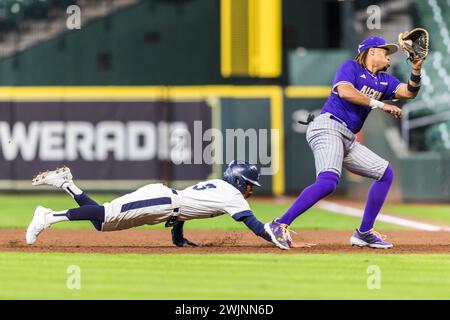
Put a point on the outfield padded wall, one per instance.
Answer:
(307, 67)
(36, 125)
(240, 114)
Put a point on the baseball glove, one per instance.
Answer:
(415, 43)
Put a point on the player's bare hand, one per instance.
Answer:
(392, 110)
(418, 64)
(178, 238)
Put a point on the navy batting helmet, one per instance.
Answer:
(243, 171)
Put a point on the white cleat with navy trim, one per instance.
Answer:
(56, 178)
(38, 224)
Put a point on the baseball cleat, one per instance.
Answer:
(56, 178)
(37, 225)
(371, 239)
(279, 234)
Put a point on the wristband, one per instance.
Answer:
(412, 88)
(374, 104)
(415, 78)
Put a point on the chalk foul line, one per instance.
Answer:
(358, 213)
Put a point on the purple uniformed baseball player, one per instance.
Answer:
(359, 86)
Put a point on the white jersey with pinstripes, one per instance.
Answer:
(156, 203)
(212, 198)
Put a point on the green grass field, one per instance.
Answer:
(19, 216)
(256, 276)
(434, 213)
(230, 276)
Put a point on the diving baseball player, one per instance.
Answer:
(359, 86)
(155, 203)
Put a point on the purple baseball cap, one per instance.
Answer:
(377, 42)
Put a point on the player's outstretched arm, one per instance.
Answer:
(256, 226)
(411, 89)
(349, 93)
(178, 238)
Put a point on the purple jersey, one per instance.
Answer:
(381, 86)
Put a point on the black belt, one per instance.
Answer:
(333, 117)
(173, 220)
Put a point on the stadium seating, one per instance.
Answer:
(12, 12)
(437, 137)
(435, 16)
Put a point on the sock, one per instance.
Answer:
(375, 199)
(72, 189)
(325, 184)
(84, 200)
(57, 216)
(88, 212)
(94, 213)
(97, 224)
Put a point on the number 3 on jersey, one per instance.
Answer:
(206, 186)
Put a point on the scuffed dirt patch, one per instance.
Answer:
(213, 241)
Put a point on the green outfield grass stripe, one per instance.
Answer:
(240, 276)
(14, 216)
(434, 213)
(385, 218)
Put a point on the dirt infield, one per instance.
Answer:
(159, 242)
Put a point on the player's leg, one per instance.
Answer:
(325, 184)
(61, 178)
(84, 213)
(43, 218)
(364, 162)
(78, 195)
(328, 150)
(149, 205)
(121, 213)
